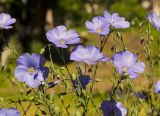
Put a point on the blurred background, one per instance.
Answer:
(35, 17)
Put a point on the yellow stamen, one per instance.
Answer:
(62, 41)
(124, 69)
(99, 30)
(31, 70)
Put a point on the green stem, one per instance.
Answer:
(159, 53)
(115, 88)
(102, 45)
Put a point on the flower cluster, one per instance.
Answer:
(101, 25)
(32, 71)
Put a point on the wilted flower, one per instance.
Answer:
(157, 87)
(154, 20)
(98, 25)
(6, 21)
(81, 82)
(31, 70)
(115, 20)
(61, 37)
(89, 55)
(142, 95)
(113, 108)
(9, 112)
(52, 84)
(126, 63)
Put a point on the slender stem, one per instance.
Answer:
(66, 109)
(121, 38)
(159, 53)
(115, 88)
(62, 57)
(48, 105)
(103, 42)
(149, 61)
(85, 67)
(114, 45)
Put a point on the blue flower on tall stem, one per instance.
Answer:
(113, 108)
(98, 25)
(115, 20)
(154, 20)
(61, 37)
(126, 63)
(89, 55)
(31, 70)
(6, 21)
(81, 82)
(157, 87)
(9, 112)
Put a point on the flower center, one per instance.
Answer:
(62, 41)
(99, 30)
(124, 69)
(31, 70)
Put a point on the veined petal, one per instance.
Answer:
(98, 25)
(73, 41)
(30, 81)
(13, 112)
(137, 67)
(61, 37)
(37, 60)
(89, 55)
(9, 112)
(6, 21)
(42, 74)
(20, 72)
(107, 16)
(24, 59)
(11, 21)
(3, 112)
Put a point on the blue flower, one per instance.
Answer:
(53, 84)
(89, 55)
(157, 87)
(31, 70)
(61, 37)
(6, 21)
(126, 63)
(115, 20)
(81, 82)
(142, 95)
(9, 112)
(113, 108)
(154, 20)
(98, 25)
